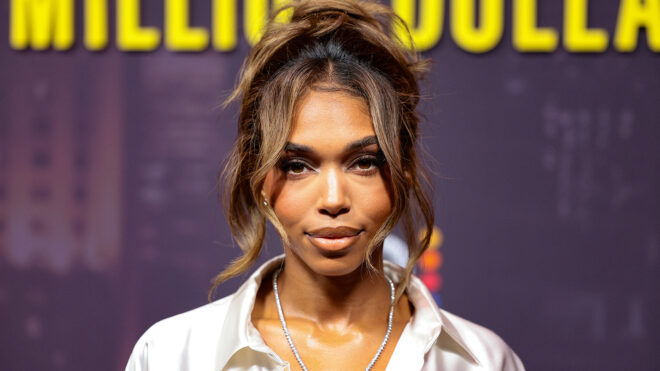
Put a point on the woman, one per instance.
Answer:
(326, 153)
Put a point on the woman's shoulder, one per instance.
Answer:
(451, 342)
(200, 319)
(478, 343)
(204, 338)
(171, 341)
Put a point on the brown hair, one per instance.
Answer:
(346, 44)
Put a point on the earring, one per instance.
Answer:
(265, 203)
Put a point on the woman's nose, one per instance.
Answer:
(334, 198)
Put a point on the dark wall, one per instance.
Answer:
(546, 168)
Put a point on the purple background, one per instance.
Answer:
(546, 167)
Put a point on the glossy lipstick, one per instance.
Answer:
(334, 239)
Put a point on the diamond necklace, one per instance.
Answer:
(288, 336)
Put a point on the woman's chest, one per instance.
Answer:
(330, 349)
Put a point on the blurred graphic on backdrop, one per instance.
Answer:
(541, 130)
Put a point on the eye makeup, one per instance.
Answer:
(363, 163)
(293, 165)
(373, 160)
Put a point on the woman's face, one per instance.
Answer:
(330, 190)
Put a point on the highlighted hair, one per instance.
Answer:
(349, 46)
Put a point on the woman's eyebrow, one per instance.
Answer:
(350, 147)
(294, 147)
(361, 143)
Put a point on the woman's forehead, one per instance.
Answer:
(330, 118)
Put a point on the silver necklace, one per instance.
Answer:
(288, 336)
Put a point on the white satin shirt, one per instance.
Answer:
(220, 336)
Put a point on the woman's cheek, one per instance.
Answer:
(292, 206)
(377, 200)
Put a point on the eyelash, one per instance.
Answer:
(376, 161)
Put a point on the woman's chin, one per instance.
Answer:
(334, 268)
(332, 264)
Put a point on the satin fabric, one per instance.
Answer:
(221, 336)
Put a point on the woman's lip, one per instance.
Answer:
(334, 243)
(334, 232)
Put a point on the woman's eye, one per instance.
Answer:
(366, 163)
(297, 167)
(294, 167)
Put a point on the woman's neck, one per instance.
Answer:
(346, 301)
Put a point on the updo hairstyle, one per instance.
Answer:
(340, 45)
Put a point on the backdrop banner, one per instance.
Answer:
(540, 126)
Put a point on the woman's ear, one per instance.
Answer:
(265, 190)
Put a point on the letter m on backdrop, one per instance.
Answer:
(41, 23)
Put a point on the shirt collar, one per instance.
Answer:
(428, 321)
(427, 324)
(238, 328)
